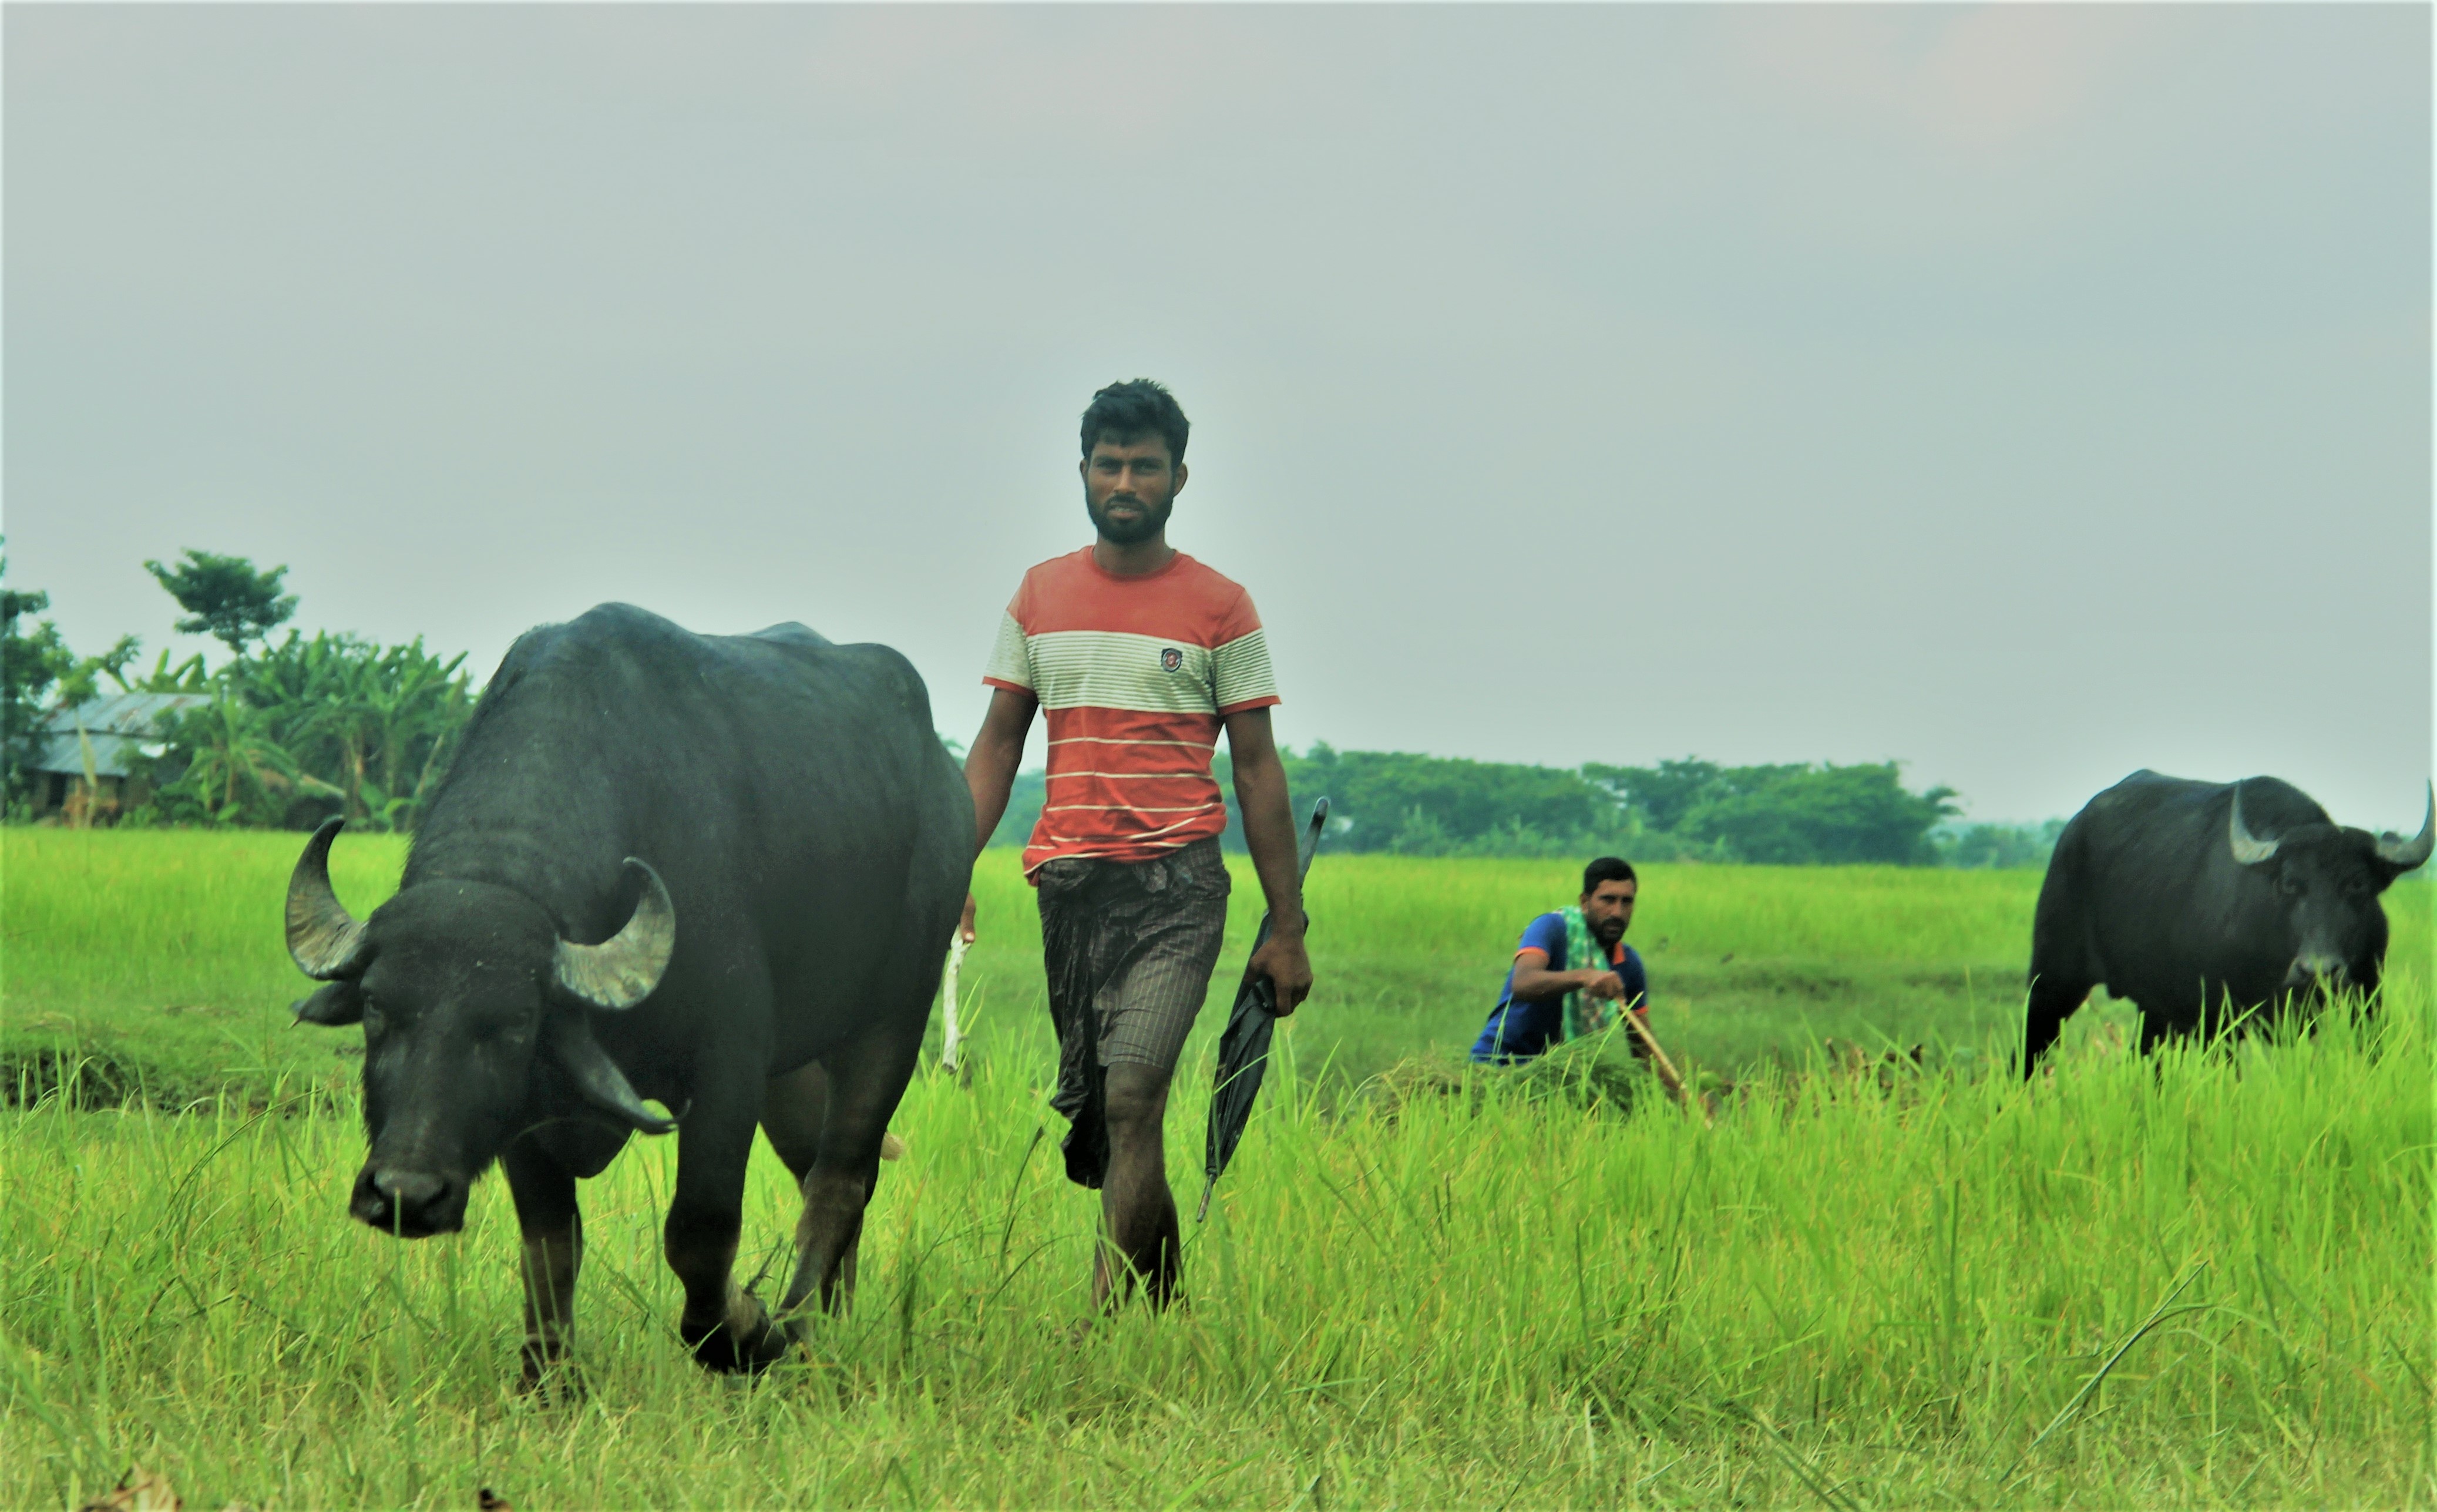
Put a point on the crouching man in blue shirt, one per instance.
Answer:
(1572, 970)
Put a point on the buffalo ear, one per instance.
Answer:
(333, 1007)
(597, 1078)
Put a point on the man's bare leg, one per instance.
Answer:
(1139, 1210)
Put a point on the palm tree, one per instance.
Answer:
(369, 726)
(371, 720)
(237, 769)
(417, 701)
(344, 709)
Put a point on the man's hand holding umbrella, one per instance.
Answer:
(1270, 835)
(1284, 961)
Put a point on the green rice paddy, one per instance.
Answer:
(2201, 1282)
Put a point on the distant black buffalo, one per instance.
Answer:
(2196, 898)
(716, 871)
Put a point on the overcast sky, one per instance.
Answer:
(2031, 393)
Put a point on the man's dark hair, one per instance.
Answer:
(1122, 411)
(1606, 869)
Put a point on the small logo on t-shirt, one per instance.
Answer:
(1170, 658)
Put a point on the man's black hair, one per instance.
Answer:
(1122, 411)
(1606, 869)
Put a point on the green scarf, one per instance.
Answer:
(1585, 1014)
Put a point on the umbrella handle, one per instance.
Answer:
(1310, 848)
(1305, 854)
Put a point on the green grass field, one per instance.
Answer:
(158, 956)
(2205, 1282)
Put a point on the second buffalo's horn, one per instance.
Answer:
(2248, 848)
(325, 940)
(621, 970)
(2403, 854)
(597, 1077)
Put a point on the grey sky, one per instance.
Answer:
(2032, 393)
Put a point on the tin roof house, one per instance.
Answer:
(105, 738)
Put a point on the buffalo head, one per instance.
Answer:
(2328, 879)
(469, 1000)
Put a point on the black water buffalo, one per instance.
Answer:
(2193, 899)
(720, 872)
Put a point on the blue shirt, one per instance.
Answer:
(1518, 1031)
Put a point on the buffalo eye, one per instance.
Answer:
(2289, 886)
(513, 1033)
(376, 1023)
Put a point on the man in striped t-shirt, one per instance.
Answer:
(1139, 656)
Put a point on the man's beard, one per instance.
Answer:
(1609, 932)
(1152, 522)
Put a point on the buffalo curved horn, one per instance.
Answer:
(2403, 854)
(621, 970)
(2248, 848)
(597, 1078)
(327, 941)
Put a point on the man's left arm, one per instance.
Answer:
(1270, 835)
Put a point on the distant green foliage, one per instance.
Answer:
(235, 771)
(1024, 803)
(1407, 804)
(1664, 795)
(2002, 846)
(32, 662)
(186, 677)
(83, 682)
(337, 723)
(225, 597)
(1423, 805)
(297, 730)
(309, 727)
(1403, 804)
(1793, 815)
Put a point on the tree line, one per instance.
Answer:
(1402, 804)
(291, 731)
(283, 733)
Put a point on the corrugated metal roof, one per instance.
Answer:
(122, 713)
(117, 727)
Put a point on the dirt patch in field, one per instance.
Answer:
(90, 1077)
(79, 1079)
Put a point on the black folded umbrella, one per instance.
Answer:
(1244, 1048)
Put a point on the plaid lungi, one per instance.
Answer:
(1129, 947)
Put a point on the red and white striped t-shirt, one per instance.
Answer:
(1135, 674)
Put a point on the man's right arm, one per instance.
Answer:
(1533, 980)
(989, 768)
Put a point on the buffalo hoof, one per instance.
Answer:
(552, 1382)
(758, 1346)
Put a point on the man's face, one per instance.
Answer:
(1608, 909)
(1129, 486)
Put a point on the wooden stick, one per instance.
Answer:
(1665, 1067)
